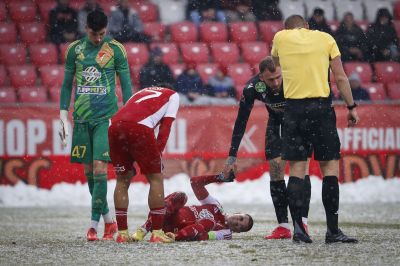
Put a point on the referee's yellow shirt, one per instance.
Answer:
(304, 57)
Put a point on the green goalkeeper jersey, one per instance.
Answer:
(95, 69)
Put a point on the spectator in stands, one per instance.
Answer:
(125, 24)
(240, 10)
(171, 11)
(359, 93)
(351, 39)
(267, 10)
(318, 21)
(190, 87)
(221, 87)
(89, 6)
(63, 23)
(382, 39)
(155, 72)
(205, 10)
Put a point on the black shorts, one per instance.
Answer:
(273, 140)
(310, 122)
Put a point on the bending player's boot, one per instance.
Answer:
(339, 237)
(300, 234)
(158, 236)
(91, 235)
(139, 234)
(109, 230)
(279, 233)
(123, 237)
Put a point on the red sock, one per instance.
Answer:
(157, 217)
(122, 218)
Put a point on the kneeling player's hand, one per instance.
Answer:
(63, 130)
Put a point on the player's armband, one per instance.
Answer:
(212, 235)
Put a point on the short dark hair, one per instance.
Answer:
(267, 64)
(250, 225)
(96, 20)
(294, 21)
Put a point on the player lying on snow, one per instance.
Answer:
(198, 222)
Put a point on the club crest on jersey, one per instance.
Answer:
(104, 55)
(91, 74)
(79, 48)
(260, 87)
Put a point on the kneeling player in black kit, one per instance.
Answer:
(267, 88)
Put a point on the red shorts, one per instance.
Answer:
(131, 142)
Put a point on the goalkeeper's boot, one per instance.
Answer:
(139, 234)
(91, 235)
(279, 233)
(123, 237)
(339, 237)
(158, 236)
(300, 234)
(109, 230)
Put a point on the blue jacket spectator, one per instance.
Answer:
(205, 10)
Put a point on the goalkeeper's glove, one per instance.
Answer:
(63, 130)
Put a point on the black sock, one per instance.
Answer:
(279, 198)
(330, 198)
(307, 196)
(295, 193)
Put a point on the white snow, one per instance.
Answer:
(368, 190)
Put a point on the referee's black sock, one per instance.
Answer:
(307, 196)
(295, 193)
(330, 198)
(279, 198)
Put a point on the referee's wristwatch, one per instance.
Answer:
(351, 107)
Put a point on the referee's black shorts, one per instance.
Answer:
(273, 140)
(310, 121)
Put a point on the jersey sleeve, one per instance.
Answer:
(69, 72)
(275, 44)
(122, 69)
(199, 184)
(245, 107)
(173, 106)
(333, 47)
(224, 234)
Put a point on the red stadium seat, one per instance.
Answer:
(396, 10)
(3, 11)
(154, 29)
(240, 73)
(177, 69)
(206, 71)
(194, 52)
(3, 75)
(363, 24)
(51, 75)
(7, 95)
(44, 10)
(8, 32)
(32, 32)
(12, 54)
(213, 32)
(239, 91)
(243, 31)
(182, 32)
(393, 90)
(138, 53)
(43, 54)
(387, 72)
(54, 93)
(148, 12)
(225, 53)
(397, 27)
(170, 52)
(363, 69)
(254, 52)
(135, 71)
(268, 30)
(33, 95)
(22, 11)
(334, 25)
(77, 4)
(108, 6)
(255, 68)
(22, 76)
(376, 91)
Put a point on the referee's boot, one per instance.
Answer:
(300, 234)
(338, 237)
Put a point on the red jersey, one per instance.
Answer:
(149, 106)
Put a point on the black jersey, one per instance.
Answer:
(274, 101)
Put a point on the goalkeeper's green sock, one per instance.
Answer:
(90, 181)
(99, 197)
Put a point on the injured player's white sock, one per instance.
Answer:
(304, 220)
(94, 224)
(285, 225)
(108, 218)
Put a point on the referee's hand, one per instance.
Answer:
(352, 118)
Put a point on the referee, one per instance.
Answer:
(305, 57)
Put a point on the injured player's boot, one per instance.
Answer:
(280, 233)
(339, 237)
(158, 236)
(109, 230)
(139, 234)
(91, 235)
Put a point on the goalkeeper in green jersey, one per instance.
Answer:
(94, 61)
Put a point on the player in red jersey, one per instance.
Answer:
(132, 139)
(198, 222)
